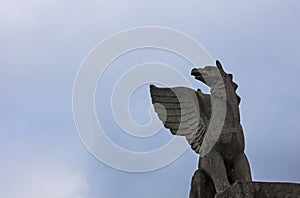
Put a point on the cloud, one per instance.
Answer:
(45, 43)
(26, 173)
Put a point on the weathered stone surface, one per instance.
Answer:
(211, 125)
(244, 189)
(223, 170)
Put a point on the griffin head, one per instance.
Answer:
(215, 78)
(210, 75)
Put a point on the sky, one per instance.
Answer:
(43, 43)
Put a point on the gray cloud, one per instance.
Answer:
(42, 46)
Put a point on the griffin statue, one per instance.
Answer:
(188, 113)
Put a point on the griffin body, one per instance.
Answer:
(187, 112)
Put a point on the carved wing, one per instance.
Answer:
(179, 110)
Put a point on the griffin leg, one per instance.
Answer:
(241, 168)
(202, 186)
(214, 166)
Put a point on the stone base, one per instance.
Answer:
(243, 189)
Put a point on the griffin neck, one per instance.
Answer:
(229, 94)
(232, 99)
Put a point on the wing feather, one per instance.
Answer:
(179, 110)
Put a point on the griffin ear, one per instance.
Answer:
(219, 65)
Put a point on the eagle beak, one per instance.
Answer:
(195, 72)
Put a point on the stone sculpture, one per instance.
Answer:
(187, 112)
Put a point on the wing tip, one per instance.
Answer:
(153, 88)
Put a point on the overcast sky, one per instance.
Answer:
(42, 44)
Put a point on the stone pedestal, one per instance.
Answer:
(261, 190)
